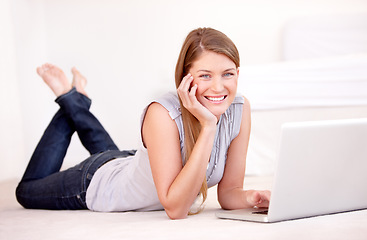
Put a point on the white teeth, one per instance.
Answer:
(215, 99)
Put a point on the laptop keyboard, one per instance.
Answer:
(265, 212)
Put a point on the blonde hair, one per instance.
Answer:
(196, 42)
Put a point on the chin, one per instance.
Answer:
(217, 112)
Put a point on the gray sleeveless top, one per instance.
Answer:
(228, 128)
(126, 184)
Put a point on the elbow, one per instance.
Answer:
(176, 208)
(176, 217)
(222, 201)
(223, 204)
(176, 214)
(176, 211)
(226, 200)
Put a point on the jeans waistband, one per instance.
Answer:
(99, 159)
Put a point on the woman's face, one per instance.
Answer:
(216, 77)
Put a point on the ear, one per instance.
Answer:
(238, 73)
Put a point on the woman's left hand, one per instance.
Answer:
(258, 198)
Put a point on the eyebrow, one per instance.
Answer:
(229, 69)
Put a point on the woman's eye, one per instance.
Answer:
(205, 76)
(228, 74)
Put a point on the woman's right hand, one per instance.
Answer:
(190, 102)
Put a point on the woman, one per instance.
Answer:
(190, 141)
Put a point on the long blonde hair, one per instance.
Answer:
(196, 42)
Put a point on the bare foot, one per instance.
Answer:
(55, 78)
(79, 81)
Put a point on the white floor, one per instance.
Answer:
(18, 223)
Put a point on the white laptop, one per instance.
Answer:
(321, 169)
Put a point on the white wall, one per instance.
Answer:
(11, 121)
(127, 50)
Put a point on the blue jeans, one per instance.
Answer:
(43, 186)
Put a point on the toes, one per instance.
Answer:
(47, 66)
(40, 71)
(78, 77)
(44, 68)
(75, 71)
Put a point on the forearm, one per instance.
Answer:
(235, 198)
(185, 188)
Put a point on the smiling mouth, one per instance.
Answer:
(216, 99)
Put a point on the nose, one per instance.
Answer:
(217, 85)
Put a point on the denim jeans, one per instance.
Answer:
(43, 185)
